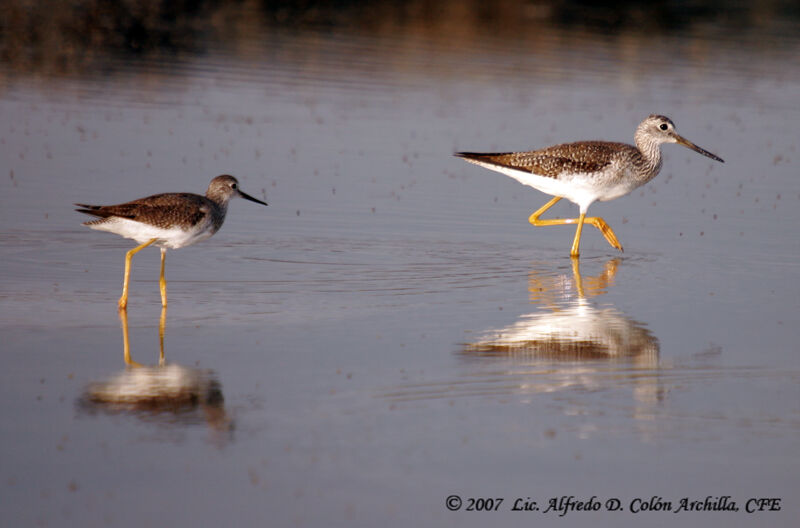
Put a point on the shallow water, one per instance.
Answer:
(391, 331)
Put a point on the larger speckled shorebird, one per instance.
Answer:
(170, 220)
(588, 171)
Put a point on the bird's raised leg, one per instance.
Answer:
(598, 222)
(534, 218)
(123, 301)
(604, 228)
(162, 281)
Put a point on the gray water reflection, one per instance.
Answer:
(570, 343)
(166, 394)
(599, 369)
(580, 356)
(571, 327)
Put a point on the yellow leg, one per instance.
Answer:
(534, 218)
(576, 242)
(595, 285)
(598, 222)
(126, 344)
(576, 274)
(162, 281)
(604, 228)
(162, 323)
(123, 301)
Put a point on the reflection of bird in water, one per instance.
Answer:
(167, 393)
(580, 332)
(568, 345)
(572, 331)
(587, 171)
(168, 388)
(170, 220)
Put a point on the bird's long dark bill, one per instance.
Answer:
(686, 143)
(248, 197)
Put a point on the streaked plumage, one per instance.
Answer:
(587, 171)
(170, 220)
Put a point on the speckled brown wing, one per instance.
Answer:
(583, 157)
(160, 210)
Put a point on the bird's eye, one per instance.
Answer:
(663, 126)
(233, 186)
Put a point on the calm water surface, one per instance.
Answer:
(391, 331)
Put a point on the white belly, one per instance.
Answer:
(172, 238)
(578, 189)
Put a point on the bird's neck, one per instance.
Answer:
(220, 206)
(650, 151)
(222, 209)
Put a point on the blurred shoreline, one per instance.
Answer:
(95, 36)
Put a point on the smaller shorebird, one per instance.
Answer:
(587, 171)
(171, 220)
